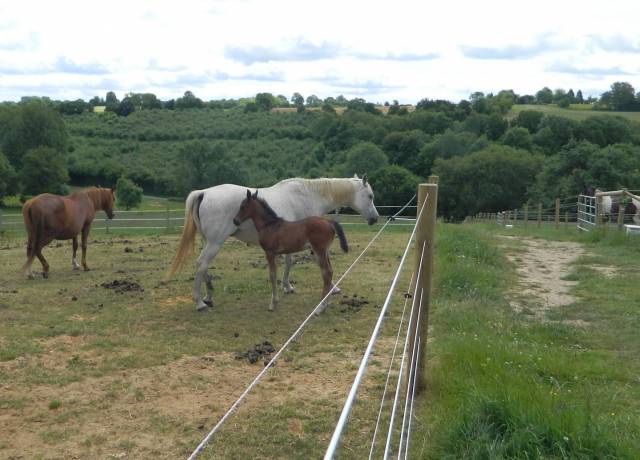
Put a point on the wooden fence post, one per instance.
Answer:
(566, 219)
(515, 216)
(526, 214)
(620, 217)
(539, 214)
(425, 232)
(557, 213)
(598, 210)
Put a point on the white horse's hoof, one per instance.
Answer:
(336, 290)
(209, 303)
(75, 268)
(201, 306)
(289, 290)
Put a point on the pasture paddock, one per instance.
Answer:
(91, 371)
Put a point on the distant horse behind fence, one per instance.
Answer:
(50, 217)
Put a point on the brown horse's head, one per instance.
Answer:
(108, 201)
(247, 208)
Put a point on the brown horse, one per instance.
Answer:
(278, 236)
(50, 217)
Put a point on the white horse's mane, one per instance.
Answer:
(339, 190)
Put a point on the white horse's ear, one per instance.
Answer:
(255, 195)
(364, 179)
(248, 194)
(355, 176)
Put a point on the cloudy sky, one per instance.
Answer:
(379, 50)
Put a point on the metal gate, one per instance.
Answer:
(586, 213)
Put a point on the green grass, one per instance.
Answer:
(501, 386)
(575, 111)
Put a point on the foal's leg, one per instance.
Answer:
(327, 275)
(288, 262)
(85, 236)
(202, 265)
(74, 261)
(271, 258)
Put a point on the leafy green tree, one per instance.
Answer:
(128, 193)
(365, 157)
(44, 170)
(297, 99)
(621, 97)
(604, 130)
(8, 178)
(553, 133)
(313, 101)
(581, 164)
(544, 96)
(579, 97)
(204, 164)
(188, 101)
(394, 185)
(73, 107)
(32, 125)
(492, 179)
(126, 107)
(518, 137)
(111, 101)
(496, 126)
(529, 119)
(265, 101)
(402, 147)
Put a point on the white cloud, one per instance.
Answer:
(403, 50)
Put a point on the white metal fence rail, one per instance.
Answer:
(586, 218)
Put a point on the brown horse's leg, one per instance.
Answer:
(85, 235)
(271, 258)
(74, 261)
(31, 254)
(43, 261)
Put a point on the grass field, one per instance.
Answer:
(575, 112)
(86, 371)
(91, 372)
(506, 385)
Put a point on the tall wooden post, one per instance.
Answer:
(539, 214)
(557, 212)
(566, 219)
(526, 214)
(425, 233)
(620, 217)
(168, 217)
(515, 216)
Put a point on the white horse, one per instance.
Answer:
(608, 206)
(210, 212)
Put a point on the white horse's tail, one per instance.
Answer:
(191, 227)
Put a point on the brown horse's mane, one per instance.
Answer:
(98, 195)
(271, 217)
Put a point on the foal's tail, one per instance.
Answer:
(340, 232)
(191, 227)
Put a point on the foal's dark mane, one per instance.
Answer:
(271, 216)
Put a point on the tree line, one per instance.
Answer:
(487, 158)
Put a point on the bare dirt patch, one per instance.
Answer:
(542, 267)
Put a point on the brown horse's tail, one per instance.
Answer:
(340, 232)
(191, 227)
(34, 230)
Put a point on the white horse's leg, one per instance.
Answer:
(208, 282)
(288, 262)
(202, 265)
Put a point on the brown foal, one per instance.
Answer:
(278, 236)
(50, 217)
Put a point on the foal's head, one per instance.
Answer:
(254, 207)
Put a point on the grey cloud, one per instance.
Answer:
(354, 86)
(587, 71)
(299, 50)
(66, 65)
(396, 56)
(616, 43)
(542, 45)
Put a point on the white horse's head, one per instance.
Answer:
(363, 200)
